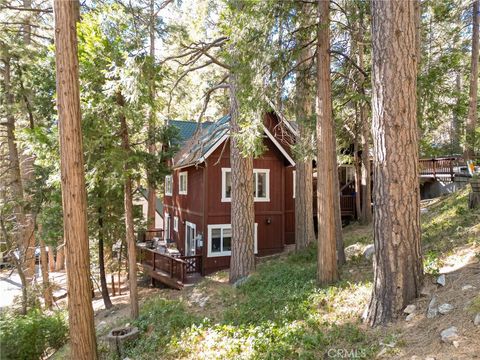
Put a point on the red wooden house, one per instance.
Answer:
(197, 193)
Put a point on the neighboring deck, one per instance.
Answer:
(174, 272)
(444, 168)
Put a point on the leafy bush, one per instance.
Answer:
(32, 335)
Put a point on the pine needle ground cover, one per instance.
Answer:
(280, 313)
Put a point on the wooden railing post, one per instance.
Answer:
(452, 174)
(154, 261)
(433, 169)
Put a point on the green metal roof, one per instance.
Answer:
(187, 128)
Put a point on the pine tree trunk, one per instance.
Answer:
(152, 197)
(242, 260)
(304, 230)
(471, 124)
(60, 261)
(398, 270)
(456, 121)
(128, 203)
(47, 289)
(74, 197)
(101, 261)
(366, 170)
(327, 191)
(51, 258)
(341, 258)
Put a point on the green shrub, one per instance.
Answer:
(31, 336)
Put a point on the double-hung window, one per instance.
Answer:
(261, 185)
(182, 183)
(168, 185)
(220, 240)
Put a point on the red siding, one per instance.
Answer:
(203, 206)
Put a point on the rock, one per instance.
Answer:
(432, 309)
(456, 343)
(449, 335)
(415, 357)
(429, 358)
(468, 287)
(409, 309)
(441, 280)
(423, 210)
(353, 250)
(445, 308)
(368, 251)
(425, 292)
(476, 320)
(410, 317)
(240, 281)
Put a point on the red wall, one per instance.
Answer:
(202, 205)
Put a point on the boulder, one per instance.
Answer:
(369, 251)
(410, 317)
(441, 280)
(432, 309)
(476, 320)
(445, 308)
(449, 335)
(409, 309)
(353, 250)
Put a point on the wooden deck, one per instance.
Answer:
(444, 168)
(174, 272)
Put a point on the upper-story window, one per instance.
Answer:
(261, 184)
(182, 183)
(168, 185)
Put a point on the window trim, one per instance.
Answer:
(255, 171)
(169, 193)
(294, 183)
(180, 191)
(194, 227)
(175, 223)
(167, 225)
(227, 253)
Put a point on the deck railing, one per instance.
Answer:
(193, 264)
(441, 166)
(176, 269)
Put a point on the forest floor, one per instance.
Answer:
(280, 313)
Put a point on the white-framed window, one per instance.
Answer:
(226, 185)
(183, 183)
(220, 240)
(261, 184)
(166, 234)
(175, 223)
(168, 185)
(294, 182)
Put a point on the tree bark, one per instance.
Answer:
(326, 166)
(304, 230)
(366, 170)
(60, 261)
(341, 258)
(47, 289)
(74, 197)
(51, 258)
(242, 260)
(128, 204)
(152, 197)
(471, 124)
(398, 269)
(101, 260)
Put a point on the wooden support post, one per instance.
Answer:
(113, 285)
